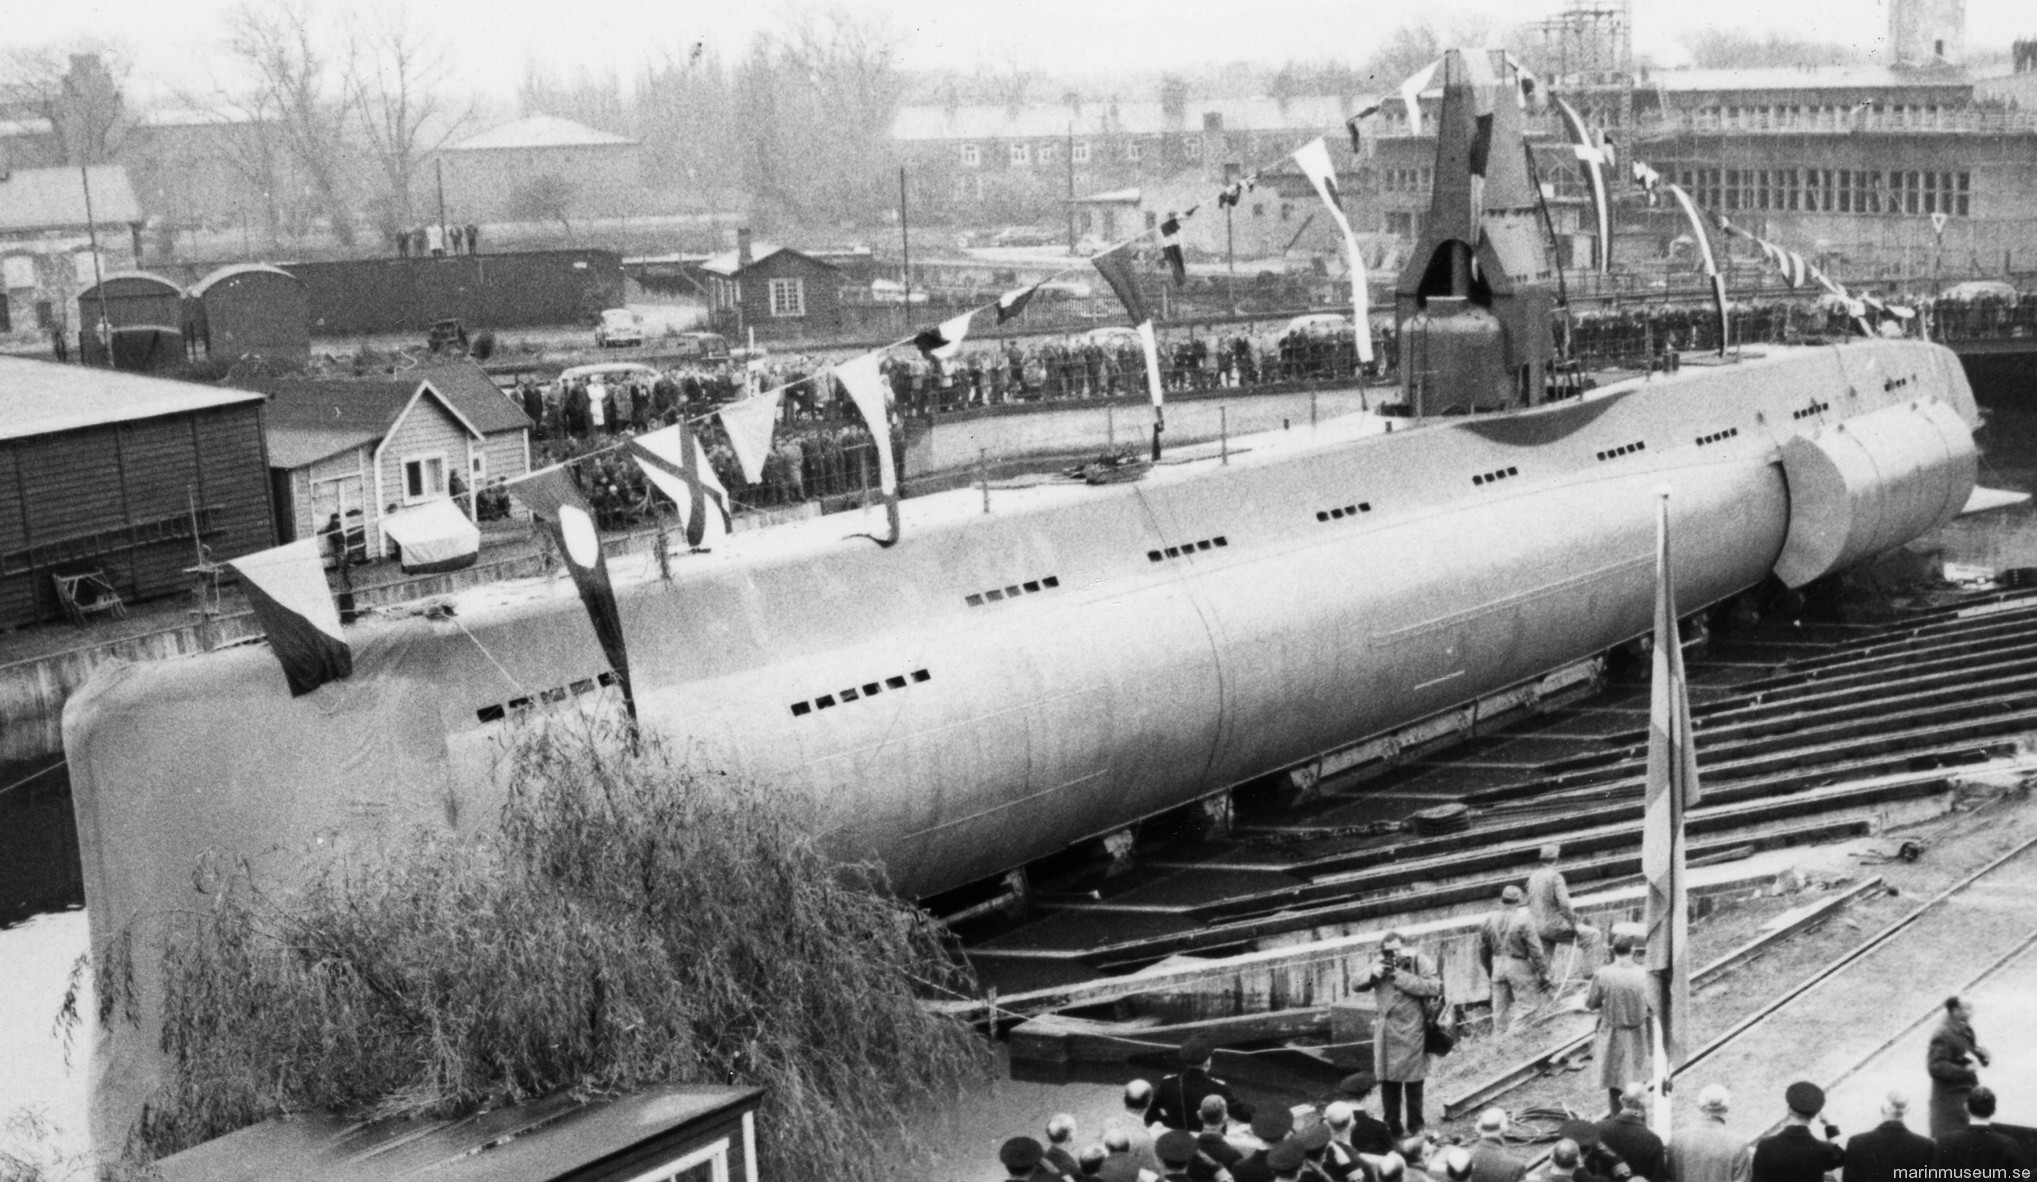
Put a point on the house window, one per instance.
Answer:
(45, 314)
(1021, 154)
(1959, 200)
(1131, 149)
(19, 270)
(972, 156)
(424, 478)
(788, 297)
(1080, 152)
(1045, 154)
(1195, 149)
(480, 469)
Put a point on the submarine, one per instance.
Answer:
(1001, 685)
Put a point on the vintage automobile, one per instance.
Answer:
(618, 328)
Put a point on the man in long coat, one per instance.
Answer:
(1706, 1150)
(1404, 981)
(1625, 1001)
(1950, 1063)
(1879, 1153)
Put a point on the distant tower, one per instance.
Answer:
(1925, 33)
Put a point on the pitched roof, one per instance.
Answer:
(54, 199)
(1054, 120)
(42, 397)
(307, 414)
(538, 131)
(725, 263)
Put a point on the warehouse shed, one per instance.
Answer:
(136, 478)
(250, 309)
(146, 314)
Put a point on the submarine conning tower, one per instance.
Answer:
(1474, 303)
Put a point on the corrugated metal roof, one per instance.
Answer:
(54, 199)
(1863, 77)
(1048, 120)
(539, 131)
(42, 397)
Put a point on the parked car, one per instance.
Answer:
(701, 346)
(446, 334)
(1983, 289)
(1024, 236)
(891, 291)
(618, 327)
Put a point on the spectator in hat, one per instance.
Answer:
(1369, 1134)
(1134, 1120)
(1089, 1163)
(1213, 1148)
(1555, 919)
(1629, 1136)
(1510, 949)
(1340, 1159)
(1625, 1000)
(1061, 1143)
(1269, 1128)
(1950, 1062)
(1287, 1160)
(1176, 1148)
(1978, 1150)
(1795, 1154)
(1707, 1151)
(1457, 1164)
(1404, 981)
(1887, 1151)
(1120, 1164)
(1315, 1145)
(1594, 1159)
(1491, 1160)
(1564, 1159)
(1179, 1097)
(1021, 1156)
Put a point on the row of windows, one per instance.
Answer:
(1345, 511)
(1049, 152)
(1030, 587)
(1826, 190)
(1807, 411)
(1717, 436)
(869, 689)
(1798, 116)
(1489, 477)
(1405, 180)
(1897, 383)
(1624, 449)
(1186, 548)
(787, 297)
(585, 685)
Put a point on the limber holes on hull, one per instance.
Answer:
(1186, 549)
(868, 689)
(501, 710)
(1029, 587)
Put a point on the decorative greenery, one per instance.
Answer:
(632, 920)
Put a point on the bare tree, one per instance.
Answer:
(77, 89)
(827, 89)
(395, 78)
(282, 47)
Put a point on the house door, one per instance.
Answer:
(341, 498)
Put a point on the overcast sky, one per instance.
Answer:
(171, 41)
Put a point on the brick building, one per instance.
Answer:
(45, 244)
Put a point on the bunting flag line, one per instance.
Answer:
(1672, 790)
(286, 588)
(1527, 80)
(1170, 247)
(1478, 67)
(1796, 269)
(868, 390)
(1149, 344)
(1647, 179)
(1589, 154)
(944, 342)
(1313, 158)
(749, 425)
(1115, 265)
(673, 459)
(1707, 258)
(1012, 303)
(1411, 93)
(553, 500)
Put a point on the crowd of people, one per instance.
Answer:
(434, 240)
(1194, 1127)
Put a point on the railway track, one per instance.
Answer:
(1803, 736)
(1984, 922)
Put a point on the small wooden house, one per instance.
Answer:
(362, 449)
(781, 294)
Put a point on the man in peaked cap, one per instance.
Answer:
(1794, 1154)
(1369, 1134)
(1178, 1100)
(1021, 1156)
(1177, 1151)
(1271, 1128)
(1286, 1160)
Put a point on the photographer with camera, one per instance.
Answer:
(1404, 981)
